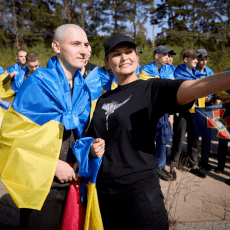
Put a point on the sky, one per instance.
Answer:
(149, 27)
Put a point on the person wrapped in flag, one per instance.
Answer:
(20, 64)
(50, 112)
(9, 88)
(7, 79)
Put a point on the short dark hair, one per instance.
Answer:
(32, 57)
(20, 50)
(191, 53)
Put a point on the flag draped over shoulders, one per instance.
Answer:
(183, 72)
(207, 72)
(18, 79)
(15, 67)
(108, 80)
(151, 70)
(31, 133)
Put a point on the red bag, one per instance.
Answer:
(74, 212)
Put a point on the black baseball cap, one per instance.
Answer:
(115, 40)
(203, 52)
(163, 49)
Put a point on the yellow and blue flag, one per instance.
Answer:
(18, 79)
(88, 169)
(32, 128)
(151, 70)
(6, 93)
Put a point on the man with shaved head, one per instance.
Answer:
(51, 112)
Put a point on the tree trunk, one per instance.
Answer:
(15, 26)
(67, 11)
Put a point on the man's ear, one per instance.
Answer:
(185, 59)
(16, 56)
(56, 46)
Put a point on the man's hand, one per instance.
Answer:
(98, 147)
(64, 172)
(12, 74)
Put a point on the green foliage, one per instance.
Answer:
(7, 57)
(98, 59)
(218, 61)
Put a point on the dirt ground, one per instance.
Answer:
(193, 199)
(189, 199)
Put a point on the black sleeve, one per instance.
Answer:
(167, 95)
(6, 79)
(91, 131)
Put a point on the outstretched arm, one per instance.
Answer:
(193, 89)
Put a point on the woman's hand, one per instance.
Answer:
(98, 147)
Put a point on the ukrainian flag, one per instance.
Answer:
(6, 93)
(18, 79)
(88, 169)
(31, 133)
(151, 70)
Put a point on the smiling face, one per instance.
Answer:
(73, 49)
(170, 60)
(190, 62)
(202, 62)
(123, 60)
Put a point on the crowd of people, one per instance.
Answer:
(60, 112)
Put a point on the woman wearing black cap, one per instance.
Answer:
(128, 186)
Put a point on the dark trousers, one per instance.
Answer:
(50, 216)
(222, 154)
(205, 149)
(134, 211)
(182, 124)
